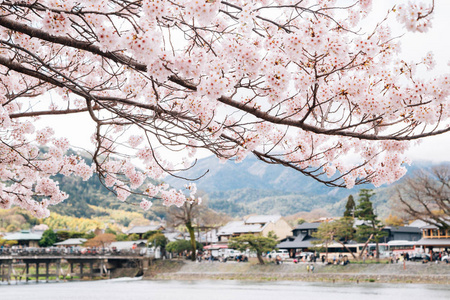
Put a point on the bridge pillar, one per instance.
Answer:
(91, 267)
(58, 270)
(6, 274)
(37, 272)
(10, 266)
(145, 263)
(81, 270)
(27, 269)
(46, 271)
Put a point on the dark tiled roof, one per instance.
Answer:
(403, 229)
(308, 226)
(300, 241)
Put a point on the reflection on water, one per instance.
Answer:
(218, 290)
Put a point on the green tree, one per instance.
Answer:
(371, 229)
(300, 221)
(89, 235)
(259, 244)
(133, 237)
(272, 234)
(149, 233)
(350, 207)
(181, 246)
(121, 237)
(158, 239)
(49, 237)
(62, 235)
(76, 235)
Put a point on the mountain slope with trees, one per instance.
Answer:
(255, 187)
(237, 189)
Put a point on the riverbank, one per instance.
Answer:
(383, 273)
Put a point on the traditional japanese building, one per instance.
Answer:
(401, 233)
(301, 240)
(434, 238)
(141, 230)
(257, 225)
(25, 238)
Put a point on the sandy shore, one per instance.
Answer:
(391, 273)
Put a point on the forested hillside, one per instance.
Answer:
(254, 187)
(250, 187)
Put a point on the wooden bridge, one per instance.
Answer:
(79, 266)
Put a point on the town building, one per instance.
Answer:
(301, 239)
(25, 238)
(257, 225)
(141, 230)
(401, 233)
(434, 238)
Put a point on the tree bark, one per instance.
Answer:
(365, 245)
(260, 258)
(192, 236)
(346, 248)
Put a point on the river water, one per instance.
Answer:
(219, 290)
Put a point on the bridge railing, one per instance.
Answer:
(54, 251)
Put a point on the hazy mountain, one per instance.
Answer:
(237, 189)
(253, 186)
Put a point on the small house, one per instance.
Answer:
(25, 238)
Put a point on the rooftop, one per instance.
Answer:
(301, 241)
(24, 235)
(308, 226)
(239, 227)
(260, 219)
(126, 245)
(410, 229)
(70, 242)
(434, 242)
(144, 229)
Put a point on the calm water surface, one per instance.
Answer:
(218, 290)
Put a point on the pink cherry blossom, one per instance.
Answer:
(297, 83)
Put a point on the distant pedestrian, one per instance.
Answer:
(312, 268)
(278, 260)
(307, 268)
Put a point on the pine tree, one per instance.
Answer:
(372, 227)
(350, 207)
